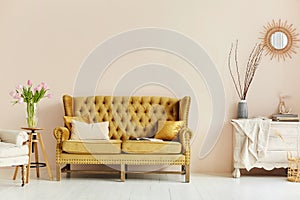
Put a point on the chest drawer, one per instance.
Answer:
(283, 137)
(284, 130)
(283, 143)
(277, 157)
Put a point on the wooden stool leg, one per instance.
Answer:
(29, 160)
(16, 172)
(36, 152)
(45, 155)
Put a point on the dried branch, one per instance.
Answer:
(252, 65)
(238, 89)
(237, 68)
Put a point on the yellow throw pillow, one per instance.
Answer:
(168, 130)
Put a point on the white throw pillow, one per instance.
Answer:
(93, 131)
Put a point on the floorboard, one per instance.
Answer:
(148, 187)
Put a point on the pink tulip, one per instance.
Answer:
(18, 96)
(44, 85)
(19, 87)
(21, 100)
(12, 93)
(29, 83)
(38, 88)
(49, 96)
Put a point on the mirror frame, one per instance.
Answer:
(292, 39)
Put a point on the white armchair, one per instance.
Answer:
(14, 150)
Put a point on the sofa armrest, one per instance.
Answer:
(185, 135)
(13, 136)
(61, 134)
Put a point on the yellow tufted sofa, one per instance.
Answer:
(129, 118)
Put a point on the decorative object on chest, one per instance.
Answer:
(262, 143)
(284, 111)
(242, 109)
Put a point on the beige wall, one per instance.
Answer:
(48, 41)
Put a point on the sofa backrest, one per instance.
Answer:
(129, 117)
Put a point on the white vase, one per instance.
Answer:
(242, 110)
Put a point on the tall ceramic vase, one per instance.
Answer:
(242, 109)
(31, 115)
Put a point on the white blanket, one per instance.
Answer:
(256, 132)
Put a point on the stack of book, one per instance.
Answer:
(288, 117)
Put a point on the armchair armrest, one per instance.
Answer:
(61, 134)
(185, 135)
(13, 136)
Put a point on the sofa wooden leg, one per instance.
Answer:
(187, 173)
(68, 168)
(58, 172)
(126, 170)
(122, 172)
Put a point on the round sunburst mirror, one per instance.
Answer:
(279, 39)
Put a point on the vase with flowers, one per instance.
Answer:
(30, 96)
(242, 87)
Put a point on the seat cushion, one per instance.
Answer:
(151, 147)
(92, 146)
(12, 150)
(14, 161)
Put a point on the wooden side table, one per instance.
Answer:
(34, 138)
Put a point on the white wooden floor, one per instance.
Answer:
(140, 187)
